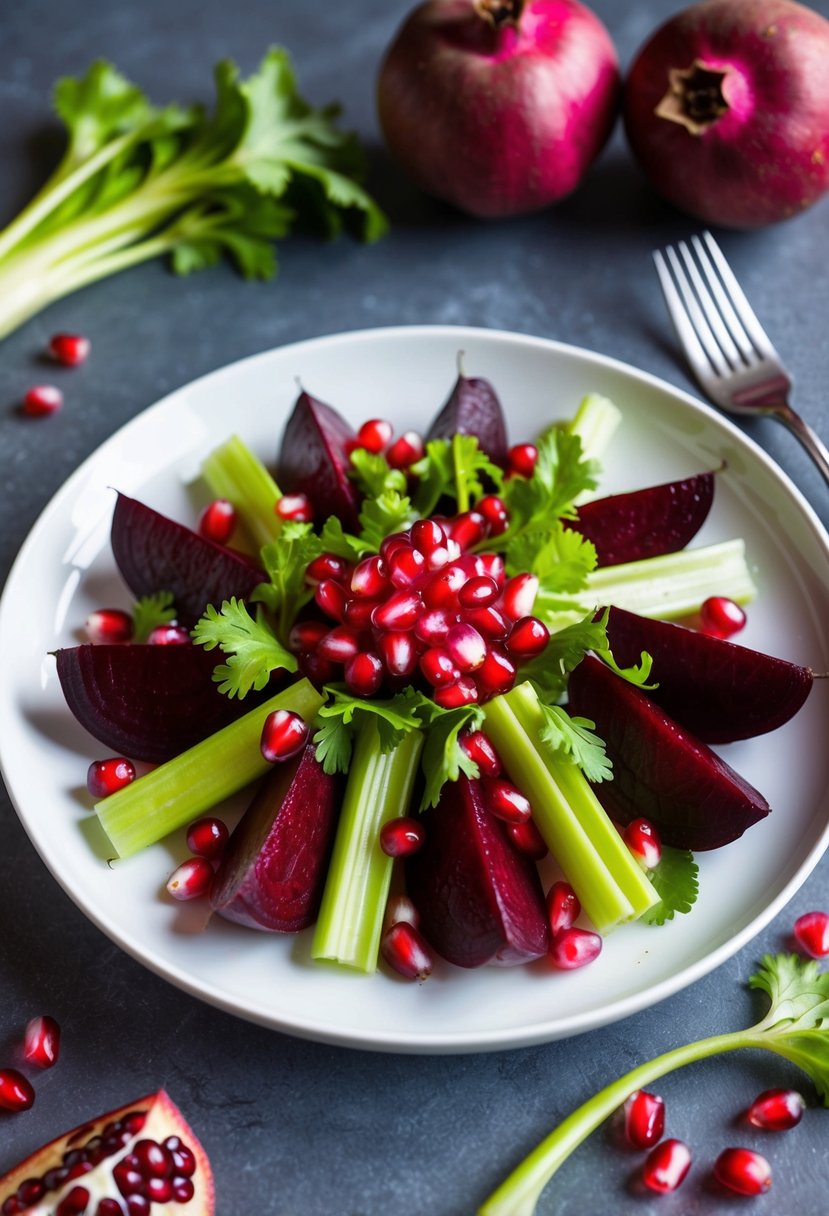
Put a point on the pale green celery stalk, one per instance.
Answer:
(183, 788)
(600, 895)
(379, 788)
(233, 472)
(595, 422)
(575, 788)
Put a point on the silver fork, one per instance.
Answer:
(726, 346)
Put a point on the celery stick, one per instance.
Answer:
(592, 816)
(185, 787)
(599, 893)
(233, 472)
(595, 422)
(379, 788)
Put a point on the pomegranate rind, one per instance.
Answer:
(163, 1118)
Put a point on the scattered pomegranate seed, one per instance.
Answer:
(721, 616)
(527, 839)
(42, 399)
(563, 907)
(374, 434)
(284, 733)
(479, 748)
(401, 837)
(364, 674)
(16, 1093)
(505, 801)
(527, 638)
(69, 349)
(207, 837)
(327, 565)
(405, 451)
(642, 838)
(521, 459)
(494, 512)
(743, 1171)
(370, 578)
(169, 635)
(405, 950)
(666, 1166)
(489, 621)
(191, 879)
(104, 777)
(644, 1119)
(573, 948)
(106, 626)
(776, 1110)
(400, 908)
(811, 932)
(358, 612)
(295, 508)
(41, 1041)
(217, 521)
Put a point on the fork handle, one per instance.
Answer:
(811, 441)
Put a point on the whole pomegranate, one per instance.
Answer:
(726, 109)
(499, 106)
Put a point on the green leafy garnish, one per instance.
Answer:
(675, 880)
(148, 611)
(575, 738)
(252, 646)
(379, 517)
(374, 475)
(456, 468)
(339, 720)
(443, 757)
(137, 182)
(334, 539)
(559, 557)
(564, 651)
(286, 560)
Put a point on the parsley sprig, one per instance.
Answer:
(253, 649)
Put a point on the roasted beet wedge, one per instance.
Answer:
(718, 690)
(660, 770)
(473, 408)
(146, 702)
(154, 553)
(645, 523)
(313, 460)
(480, 900)
(272, 873)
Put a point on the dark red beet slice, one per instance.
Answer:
(480, 900)
(146, 702)
(644, 523)
(660, 770)
(272, 874)
(154, 553)
(473, 408)
(718, 690)
(312, 460)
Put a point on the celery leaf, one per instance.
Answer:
(675, 880)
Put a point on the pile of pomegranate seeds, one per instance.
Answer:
(422, 605)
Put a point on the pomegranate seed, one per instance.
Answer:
(358, 612)
(29, 1192)
(184, 1161)
(399, 612)
(104, 777)
(306, 635)
(494, 512)
(491, 564)
(191, 879)
(479, 748)
(527, 839)
(438, 667)
(427, 535)
(169, 635)
(158, 1190)
(478, 592)
(74, 1202)
(207, 837)
(217, 521)
(572, 948)
(519, 595)
(183, 1190)
(465, 647)
(109, 1207)
(69, 349)
(138, 1205)
(400, 908)
(405, 451)
(433, 626)
(332, 598)
(339, 644)
(398, 652)
(109, 625)
(453, 696)
(442, 590)
(644, 1119)
(295, 508)
(666, 1166)
(41, 1041)
(488, 621)
(390, 544)
(284, 733)
(642, 838)
(527, 638)
(563, 907)
(506, 802)
(405, 950)
(42, 399)
(401, 837)
(496, 674)
(128, 1178)
(318, 670)
(364, 674)
(776, 1110)
(154, 1160)
(16, 1093)
(521, 459)
(405, 565)
(743, 1171)
(811, 932)
(369, 578)
(327, 565)
(374, 434)
(468, 528)
(721, 617)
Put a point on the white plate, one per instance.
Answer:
(65, 569)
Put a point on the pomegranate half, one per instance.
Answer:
(143, 1156)
(726, 109)
(498, 106)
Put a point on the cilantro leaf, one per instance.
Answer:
(575, 738)
(340, 718)
(379, 517)
(675, 880)
(285, 560)
(151, 610)
(443, 757)
(374, 475)
(559, 557)
(253, 647)
(637, 673)
(455, 467)
(561, 474)
(564, 651)
(334, 539)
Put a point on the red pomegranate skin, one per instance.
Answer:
(766, 158)
(503, 121)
